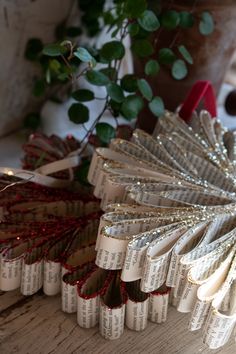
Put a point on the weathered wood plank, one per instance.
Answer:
(8, 299)
(38, 326)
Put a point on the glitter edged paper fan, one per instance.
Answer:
(170, 218)
(167, 234)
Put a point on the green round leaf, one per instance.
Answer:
(166, 56)
(54, 65)
(142, 48)
(78, 113)
(115, 107)
(145, 89)
(179, 70)
(83, 95)
(129, 83)
(93, 63)
(108, 18)
(149, 21)
(115, 92)
(142, 34)
(83, 55)
(105, 132)
(112, 50)
(33, 48)
(63, 77)
(186, 19)
(135, 8)
(156, 106)
(133, 29)
(111, 73)
(185, 53)
(152, 67)
(170, 19)
(131, 106)
(206, 25)
(97, 78)
(54, 50)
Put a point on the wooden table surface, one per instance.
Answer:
(36, 325)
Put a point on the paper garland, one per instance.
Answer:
(47, 239)
(167, 234)
(175, 221)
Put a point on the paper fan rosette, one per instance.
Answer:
(48, 223)
(169, 224)
(167, 235)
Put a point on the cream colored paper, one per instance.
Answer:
(136, 315)
(10, 273)
(69, 297)
(111, 321)
(88, 297)
(32, 277)
(136, 307)
(208, 291)
(157, 260)
(52, 278)
(69, 286)
(158, 305)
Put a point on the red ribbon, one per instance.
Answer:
(201, 90)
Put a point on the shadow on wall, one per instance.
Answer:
(19, 21)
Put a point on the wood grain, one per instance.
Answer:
(8, 299)
(36, 325)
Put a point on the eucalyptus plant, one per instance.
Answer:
(125, 96)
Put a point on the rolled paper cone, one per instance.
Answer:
(69, 298)
(52, 278)
(89, 290)
(111, 321)
(10, 273)
(88, 311)
(112, 309)
(137, 307)
(136, 315)
(158, 305)
(32, 277)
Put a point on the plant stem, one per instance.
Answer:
(81, 73)
(90, 130)
(174, 39)
(66, 62)
(100, 98)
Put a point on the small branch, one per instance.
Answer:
(85, 128)
(81, 73)
(93, 126)
(123, 35)
(100, 98)
(116, 120)
(66, 62)
(174, 39)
